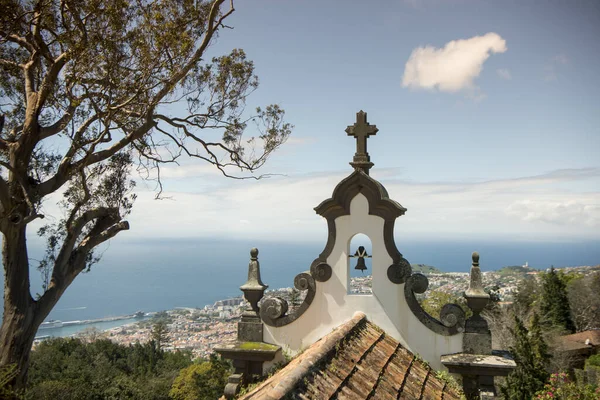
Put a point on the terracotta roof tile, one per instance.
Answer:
(413, 384)
(357, 361)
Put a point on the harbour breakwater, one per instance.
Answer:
(55, 328)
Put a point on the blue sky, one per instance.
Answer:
(324, 60)
(488, 115)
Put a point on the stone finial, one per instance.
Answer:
(254, 288)
(249, 352)
(477, 363)
(477, 299)
(361, 130)
(475, 258)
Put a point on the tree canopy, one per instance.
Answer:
(529, 352)
(90, 90)
(72, 369)
(554, 303)
(205, 380)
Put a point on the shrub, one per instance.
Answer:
(560, 387)
(593, 362)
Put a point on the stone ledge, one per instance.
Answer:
(251, 351)
(478, 364)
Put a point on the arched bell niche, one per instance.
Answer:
(360, 265)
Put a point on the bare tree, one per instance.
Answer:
(89, 90)
(501, 322)
(585, 301)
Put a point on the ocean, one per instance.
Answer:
(154, 275)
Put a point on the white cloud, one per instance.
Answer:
(300, 141)
(504, 74)
(562, 203)
(281, 208)
(452, 68)
(577, 211)
(174, 171)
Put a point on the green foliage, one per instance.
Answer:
(529, 375)
(7, 374)
(568, 278)
(70, 369)
(161, 316)
(448, 379)
(538, 344)
(554, 303)
(160, 333)
(593, 362)
(513, 270)
(203, 381)
(425, 269)
(528, 292)
(560, 387)
(256, 346)
(436, 300)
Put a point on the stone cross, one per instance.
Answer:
(361, 130)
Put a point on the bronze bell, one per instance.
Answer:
(361, 253)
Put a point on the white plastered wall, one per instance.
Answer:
(386, 307)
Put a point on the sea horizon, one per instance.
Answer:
(155, 275)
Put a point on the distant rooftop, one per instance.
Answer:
(580, 340)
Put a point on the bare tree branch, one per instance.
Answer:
(60, 124)
(68, 169)
(21, 41)
(9, 63)
(38, 40)
(92, 241)
(74, 231)
(69, 269)
(80, 203)
(49, 81)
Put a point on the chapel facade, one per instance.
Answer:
(330, 315)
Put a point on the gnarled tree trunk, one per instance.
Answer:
(20, 321)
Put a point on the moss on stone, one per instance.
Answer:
(256, 346)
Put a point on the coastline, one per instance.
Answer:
(199, 330)
(73, 328)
